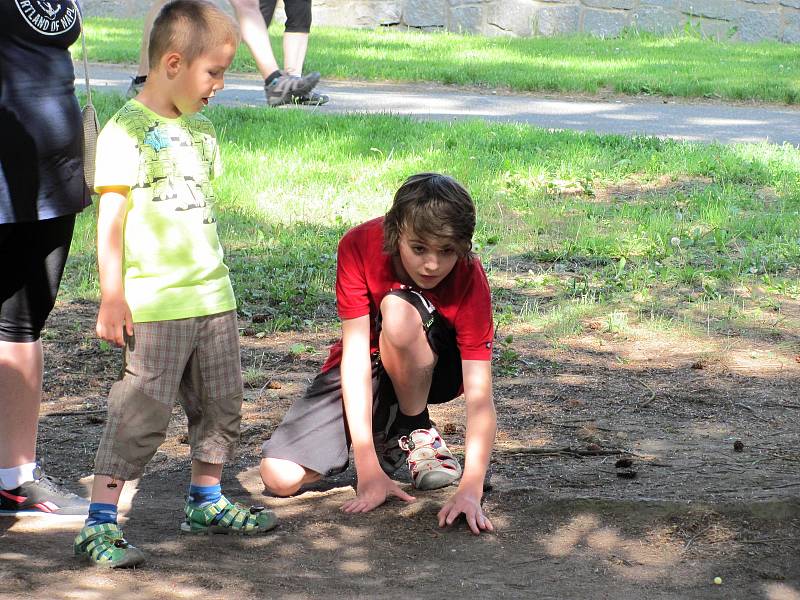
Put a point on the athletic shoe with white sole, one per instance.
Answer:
(41, 497)
(312, 99)
(285, 88)
(431, 464)
(136, 86)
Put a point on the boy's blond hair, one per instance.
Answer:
(190, 27)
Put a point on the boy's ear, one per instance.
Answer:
(172, 62)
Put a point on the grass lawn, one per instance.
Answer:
(572, 227)
(680, 65)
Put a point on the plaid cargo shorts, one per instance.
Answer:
(195, 361)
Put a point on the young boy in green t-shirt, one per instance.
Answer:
(165, 291)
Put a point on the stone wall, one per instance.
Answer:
(745, 20)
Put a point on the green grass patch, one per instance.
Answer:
(571, 226)
(684, 64)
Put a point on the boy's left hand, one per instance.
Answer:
(463, 502)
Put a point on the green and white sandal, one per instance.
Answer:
(104, 546)
(235, 519)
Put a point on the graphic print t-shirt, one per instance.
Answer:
(34, 38)
(173, 261)
(41, 149)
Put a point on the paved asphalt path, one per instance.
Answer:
(683, 120)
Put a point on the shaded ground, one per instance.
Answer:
(569, 526)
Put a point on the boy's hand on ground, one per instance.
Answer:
(468, 505)
(374, 491)
(113, 319)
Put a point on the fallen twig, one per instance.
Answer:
(74, 413)
(568, 451)
(778, 487)
(584, 424)
(761, 541)
(691, 540)
(649, 389)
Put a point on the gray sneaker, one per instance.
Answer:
(285, 88)
(44, 496)
(137, 83)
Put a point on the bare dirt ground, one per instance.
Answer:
(687, 506)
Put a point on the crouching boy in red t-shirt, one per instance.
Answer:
(416, 330)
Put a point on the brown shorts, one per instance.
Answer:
(314, 431)
(195, 361)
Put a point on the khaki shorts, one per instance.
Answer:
(314, 432)
(195, 361)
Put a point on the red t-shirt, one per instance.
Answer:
(364, 275)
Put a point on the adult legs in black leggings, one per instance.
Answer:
(32, 257)
(297, 28)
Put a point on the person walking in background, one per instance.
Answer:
(286, 86)
(42, 188)
(295, 40)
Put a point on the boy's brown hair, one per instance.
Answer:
(433, 207)
(190, 27)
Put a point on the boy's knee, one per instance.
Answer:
(400, 321)
(282, 477)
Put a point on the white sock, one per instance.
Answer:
(16, 476)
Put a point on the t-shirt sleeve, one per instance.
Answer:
(473, 323)
(117, 162)
(352, 297)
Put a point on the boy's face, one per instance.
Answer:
(197, 82)
(426, 261)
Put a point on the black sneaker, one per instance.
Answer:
(312, 99)
(284, 88)
(390, 455)
(42, 497)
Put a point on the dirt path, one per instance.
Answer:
(691, 507)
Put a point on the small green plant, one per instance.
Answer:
(506, 363)
(616, 323)
(298, 349)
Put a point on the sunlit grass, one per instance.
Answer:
(571, 226)
(678, 65)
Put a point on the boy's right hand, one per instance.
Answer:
(113, 320)
(373, 490)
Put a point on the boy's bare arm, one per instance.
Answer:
(374, 486)
(114, 314)
(481, 429)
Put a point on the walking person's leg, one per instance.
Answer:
(137, 82)
(295, 41)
